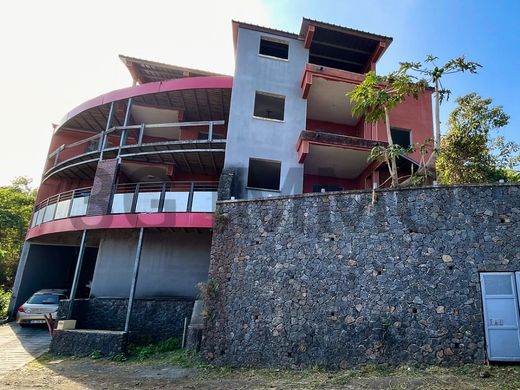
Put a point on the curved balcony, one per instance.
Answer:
(179, 122)
(197, 147)
(155, 204)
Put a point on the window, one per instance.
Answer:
(274, 48)
(401, 137)
(264, 174)
(269, 106)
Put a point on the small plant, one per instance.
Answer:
(95, 355)
(209, 290)
(221, 220)
(142, 352)
(120, 357)
(5, 298)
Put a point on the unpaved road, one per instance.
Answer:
(85, 373)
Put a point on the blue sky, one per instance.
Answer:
(58, 54)
(487, 32)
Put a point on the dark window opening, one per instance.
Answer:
(401, 137)
(269, 106)
(264, 174)
(273, 48)
(326, 187)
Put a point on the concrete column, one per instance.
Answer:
(13, 304)
(137, 260)
(77, 273)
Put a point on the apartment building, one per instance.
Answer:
(129, 188)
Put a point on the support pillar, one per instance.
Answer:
(134, 278)
(77, 273)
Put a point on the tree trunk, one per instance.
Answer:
(437, 143)
(392, 167)
(437, 129)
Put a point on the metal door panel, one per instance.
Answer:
(501, 317)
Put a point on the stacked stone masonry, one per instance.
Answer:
(340, 280)
(89, 342)
(152, 320)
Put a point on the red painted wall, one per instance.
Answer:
(56, 185)
(310, 180)
(412, 114)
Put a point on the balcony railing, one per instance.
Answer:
(146, 197)
(119, 138)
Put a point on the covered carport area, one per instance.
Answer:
(49, 262)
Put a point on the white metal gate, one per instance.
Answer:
(501, 315)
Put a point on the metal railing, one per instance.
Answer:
(64, 205)
(120, 137)
(164, 197)
(145, 197)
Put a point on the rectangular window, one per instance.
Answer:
(401, 137)
(264, 174)
(273, 48)
(269, 106)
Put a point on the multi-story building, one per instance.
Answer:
(130, 182)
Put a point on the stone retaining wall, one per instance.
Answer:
(152, 320)
(88, 342)
(337, 280)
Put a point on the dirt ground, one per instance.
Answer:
(51, 372)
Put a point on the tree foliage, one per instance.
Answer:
(374, 98)
(16, 203)
(468, 154)
(434, 73)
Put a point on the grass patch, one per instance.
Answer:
(143, 352)
(166, 351)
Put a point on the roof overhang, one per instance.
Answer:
(144, 71)
(333, 43)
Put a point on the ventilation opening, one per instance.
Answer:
(414, 310)
(269, 106)
(264, 174)
(273, 48)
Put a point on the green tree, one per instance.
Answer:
(16, 203)
(374, 98)
(466, 153)
(433, 73)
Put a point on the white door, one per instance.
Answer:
(501, 318)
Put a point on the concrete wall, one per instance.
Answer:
(172, 263)
(335, 280)
(260, 138)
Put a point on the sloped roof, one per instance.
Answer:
(145, 71)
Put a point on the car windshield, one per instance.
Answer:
(45, 299)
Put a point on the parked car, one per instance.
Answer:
(40, 303)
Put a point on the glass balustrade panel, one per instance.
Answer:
(204, 201)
